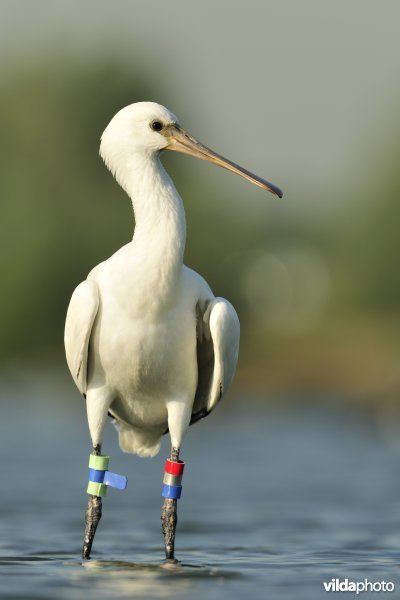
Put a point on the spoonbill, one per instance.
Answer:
(147, 342)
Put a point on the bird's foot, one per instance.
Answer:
(170, 564)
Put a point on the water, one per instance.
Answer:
(275, 502)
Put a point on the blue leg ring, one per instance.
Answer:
(108, 478)
(172, 491)
(96, 475)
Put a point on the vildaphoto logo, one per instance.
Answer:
(345, 585)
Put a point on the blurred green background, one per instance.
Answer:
(305, 94)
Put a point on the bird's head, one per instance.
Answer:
(147, 128)
(137, 128)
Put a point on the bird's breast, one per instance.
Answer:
(145, 352)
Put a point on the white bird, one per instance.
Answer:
(146, 341)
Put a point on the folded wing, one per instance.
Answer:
(81, 314)
(218, 334)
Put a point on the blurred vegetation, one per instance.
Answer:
(319, 302)
(61, 212)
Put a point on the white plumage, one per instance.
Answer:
(145, 338)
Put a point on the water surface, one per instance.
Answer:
(275, 501)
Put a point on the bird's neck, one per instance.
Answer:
(160, 226)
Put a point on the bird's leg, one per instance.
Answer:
(171, 491)
(92, 516)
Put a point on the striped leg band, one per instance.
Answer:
(172, 482)
(100, 478)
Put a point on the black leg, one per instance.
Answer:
(92, 517)
(169, 517)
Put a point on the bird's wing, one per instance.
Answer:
(82, 311)
(218, 333)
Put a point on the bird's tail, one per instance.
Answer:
(143, 442)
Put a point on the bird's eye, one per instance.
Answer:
(156, 125)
